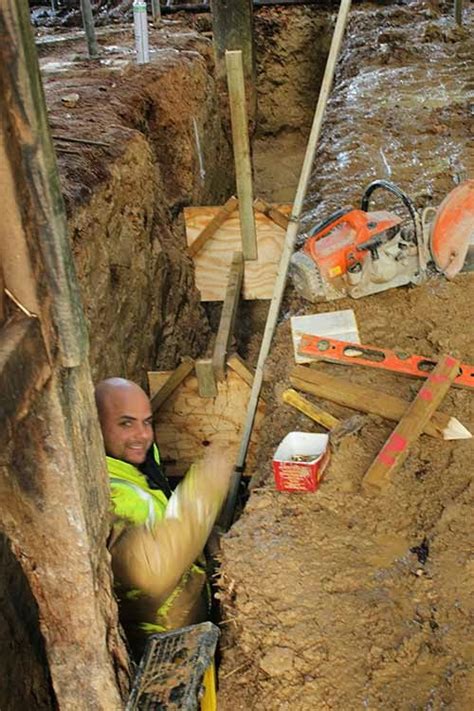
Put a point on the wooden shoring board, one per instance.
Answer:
(186, 421)
(213, 261)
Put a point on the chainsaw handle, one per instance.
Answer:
(398, 192)
(335, 217)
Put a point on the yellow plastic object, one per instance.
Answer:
(291, 397)
(209, 700)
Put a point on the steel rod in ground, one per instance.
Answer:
(89, 29)
(288, 247)
(241, 147)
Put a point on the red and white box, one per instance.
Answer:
(293, 475)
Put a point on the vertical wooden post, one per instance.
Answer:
(228, 315)
(232, 23)
(156, 10)
(458, 7)
(88, 23)
(288, 247)
(243, 166)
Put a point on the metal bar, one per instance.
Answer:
(288, 247)
(205, 7)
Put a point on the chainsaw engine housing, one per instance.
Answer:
(357, 253)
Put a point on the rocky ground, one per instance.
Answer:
(336, 600)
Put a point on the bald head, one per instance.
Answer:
(125, 419)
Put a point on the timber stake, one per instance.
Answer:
(412, 424)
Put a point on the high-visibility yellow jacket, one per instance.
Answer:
(135, 504)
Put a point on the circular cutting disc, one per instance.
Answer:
(453, 229)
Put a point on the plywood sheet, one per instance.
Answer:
(213, 261)
(185, 421)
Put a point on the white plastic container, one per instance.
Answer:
(140, 24)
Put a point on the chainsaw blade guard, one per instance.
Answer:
(452, 232)
(306, 277)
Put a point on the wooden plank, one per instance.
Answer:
(177, 376)
(240, 366)
(187, 422)
(279, 218)
(213, 261)
(216, 221)
(229, 312)
(206, 378)
(395, 450)
(365, 399)
(291, 397)
(241, 146)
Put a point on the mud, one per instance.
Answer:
(337, 600)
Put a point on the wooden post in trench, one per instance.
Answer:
(89, 29)
(53, 479)
(232, 24)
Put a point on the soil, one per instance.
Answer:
(124, 197)
(337, 600)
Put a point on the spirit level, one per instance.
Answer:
(334, 351)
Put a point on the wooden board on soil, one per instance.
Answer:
(186, 421)
(213, 261)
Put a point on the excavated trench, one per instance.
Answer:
(324, 605)
(129, 162)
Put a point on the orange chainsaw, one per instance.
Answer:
(357, 252)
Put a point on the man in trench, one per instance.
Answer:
(157, 536)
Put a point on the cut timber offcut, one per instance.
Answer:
(374, 402)
(395, 450)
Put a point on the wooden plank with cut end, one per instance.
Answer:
(206, 378)
(395, 451)
(240, 366)
(241, 146)
(374, 402)
(159, 395)
(291, 397)
(229, 312)
(216, 221)
(279, 218)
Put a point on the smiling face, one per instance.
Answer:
(126, 421)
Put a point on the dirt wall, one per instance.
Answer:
(124, 199)
(131, 165)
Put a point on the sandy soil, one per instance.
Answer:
(337, 600)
